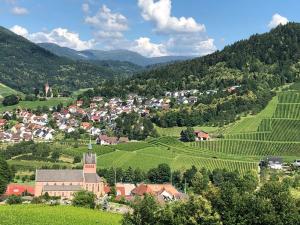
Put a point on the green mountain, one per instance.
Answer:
(267, 60)
(113, 55)
(25, 66)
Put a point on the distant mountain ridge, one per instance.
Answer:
(115, 55)
(25, 66)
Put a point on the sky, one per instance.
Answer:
(150, 27)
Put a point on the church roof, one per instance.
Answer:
(91, 178)
(62, 188)
(59, 175)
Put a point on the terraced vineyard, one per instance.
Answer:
(278, 134)
(274, 131)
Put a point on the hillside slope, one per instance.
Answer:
(267, 60)
(24, 66)
(114, 55)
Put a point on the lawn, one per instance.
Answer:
(5, 91)
(55, 215)
(175, 131)
(34, 104)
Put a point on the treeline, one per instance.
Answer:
(223, 198)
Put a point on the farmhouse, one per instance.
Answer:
(64, 183)
(201, 136)
(162, 192)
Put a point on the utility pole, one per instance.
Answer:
(115, 176)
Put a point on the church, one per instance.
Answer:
(64, 183)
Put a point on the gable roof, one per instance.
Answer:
(59, 175)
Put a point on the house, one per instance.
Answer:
(275, 163)
(79, 103)
(2, 122)
(86, 126)
(64, 183)
(105, 140)
(18, 189)
(201, 136)
(163, 192)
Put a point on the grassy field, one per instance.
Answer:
(5, 91)
(34, 104)
(175, 131)
(55, 215)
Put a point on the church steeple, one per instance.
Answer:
(89, 160)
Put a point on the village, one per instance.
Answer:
(95, 119)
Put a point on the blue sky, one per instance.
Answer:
(150, 27)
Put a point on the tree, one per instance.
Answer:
(161, 174)
(55, 155)
(84, 199)
(197, 210)
(77, 159)
(10, 100)
(188, 135)
(5, 175)
(144, 212)
(200, 183)
(13, 200)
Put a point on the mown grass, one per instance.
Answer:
(34, 104)
(55, 215)
(5, 91)
(175, 131)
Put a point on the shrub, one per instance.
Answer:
(84, 199)
(13, 200)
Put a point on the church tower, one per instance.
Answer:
(47, 88)
(89, 160)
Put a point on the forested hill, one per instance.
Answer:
(24, 66)
(266, 60)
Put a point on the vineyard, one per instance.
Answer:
(274, 131)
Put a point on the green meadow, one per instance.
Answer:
(55, 215)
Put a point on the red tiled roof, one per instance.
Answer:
(201, 134)
(18, 189)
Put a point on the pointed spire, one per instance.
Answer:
(90, 147)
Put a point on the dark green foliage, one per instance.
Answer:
(160, 175)
(84, 199)
(134, 127)
(10, 100)
(25, 66)
(5, 175)
(145, 212)
(188, 135)
(13, 200)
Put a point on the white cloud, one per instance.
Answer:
(159, 12)
(19, 11)
(85, 7)
(277, 20)
(185, 36)
(144, 46)
(108, 28)
(108, 22)
(19, 30)
(59, 36)
(190, 45)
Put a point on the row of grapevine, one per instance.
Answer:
(289, 97)
(250, 148)
(288, 111)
